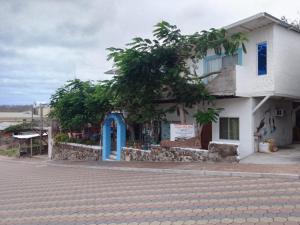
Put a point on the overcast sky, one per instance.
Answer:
(44, 43)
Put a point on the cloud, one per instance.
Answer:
(45, 43)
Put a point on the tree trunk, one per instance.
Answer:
(131, 132)
(199, 129)
(182, 114)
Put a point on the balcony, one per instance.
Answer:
(224, 83)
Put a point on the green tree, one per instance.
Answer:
(294, 23)
(99, 102)
(18, 127)
(153, 70)
(79, 103)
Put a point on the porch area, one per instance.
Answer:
(289, 154)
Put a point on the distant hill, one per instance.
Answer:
(15, 108)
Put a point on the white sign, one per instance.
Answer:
(181, 131)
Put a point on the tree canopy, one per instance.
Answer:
(79, 103)
(154, 69)
(150, 71)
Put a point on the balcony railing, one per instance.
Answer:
(224, 83)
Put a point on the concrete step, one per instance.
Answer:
(113, 156)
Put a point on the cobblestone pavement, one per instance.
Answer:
(35, 193)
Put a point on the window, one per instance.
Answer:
(262, 58)
(229, 128)
(213, 64)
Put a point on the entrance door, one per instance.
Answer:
(206, 135)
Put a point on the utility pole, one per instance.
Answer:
(41, 128)
(32, 110)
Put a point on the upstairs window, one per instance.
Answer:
(262, 58)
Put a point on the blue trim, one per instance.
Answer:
(213, 57)
(106, 138)
(209, 58)
(240, 56)
(262, 60)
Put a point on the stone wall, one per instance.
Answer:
(217, 152)
(76, 152)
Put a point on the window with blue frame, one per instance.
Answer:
(214, 63)
(262, 58)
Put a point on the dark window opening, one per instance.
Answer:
(262, 58)
(229, 128)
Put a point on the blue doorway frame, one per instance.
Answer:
(106, 138)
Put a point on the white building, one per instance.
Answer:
(259, 91)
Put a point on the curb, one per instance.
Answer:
(191, 172)
(167, 171)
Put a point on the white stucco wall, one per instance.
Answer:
(173, 117)
(233, 107)
(286, 62)
(239, 108)
(278, 128)
(248, 83)
(283, 67)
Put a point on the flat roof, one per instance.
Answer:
(28, 136)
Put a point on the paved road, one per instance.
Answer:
(37, 193)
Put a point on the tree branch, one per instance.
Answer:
(205, 75)
(209, 74)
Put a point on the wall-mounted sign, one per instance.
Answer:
(181, 131)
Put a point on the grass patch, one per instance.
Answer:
(11, 152)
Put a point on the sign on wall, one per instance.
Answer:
(181, 131)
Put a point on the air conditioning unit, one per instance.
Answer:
(279, 112)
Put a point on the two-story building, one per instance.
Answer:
(259, 91)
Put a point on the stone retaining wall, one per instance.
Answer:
(76, 152)
(217, 152)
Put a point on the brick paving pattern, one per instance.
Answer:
(35, 193)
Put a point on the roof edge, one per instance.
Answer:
(259, 15)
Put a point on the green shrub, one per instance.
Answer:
(18, 127)
(11, 152)
(61, 137)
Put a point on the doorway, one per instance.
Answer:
(206, 135)
(107, 143)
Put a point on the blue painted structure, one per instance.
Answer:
(262, 58)
(106, 136)
(206, 59)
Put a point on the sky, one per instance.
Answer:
(44, 43)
